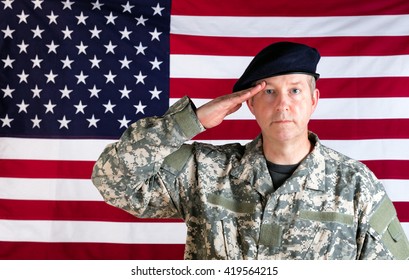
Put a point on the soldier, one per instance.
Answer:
(282, 196)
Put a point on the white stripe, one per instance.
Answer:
(288, 27)
(340, 108)
(84, 190)
(92, 232)
(98, 232)
(376, 149)
(48, 189)
(231, 67)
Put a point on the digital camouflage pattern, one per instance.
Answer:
(332, 207)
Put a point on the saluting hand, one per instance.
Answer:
(215, 111)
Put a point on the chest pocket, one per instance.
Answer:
(320, 235)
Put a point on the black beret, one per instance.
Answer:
(279, 59)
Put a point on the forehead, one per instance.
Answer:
(289, 79)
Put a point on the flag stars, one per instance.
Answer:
(37, 4)
(36, 62)
(36, 92)
(6, 121)
(155, 93)
(97, 5)
(141, 20)
(80, 108)
(82, 48)
(67, 62)
(110, 47)
(125, 62)
(95, 32)
(23, 77)
(23, 47)
(155, 64)
(81, 78)
(8, 32)
(111, 19)
(51, 77)
(92, 121)
(37, 32)
(140, 49)
(140, 78)
(125, 33)
(124, 122)
(81, 19)
(125, 92)
(8, 62)
(155, 35)
(64, 122)
(67, 33)
(95, 62)
(49, 107)
(140, 108)
(94, 92)
(157, 10)
(65, 92)
(127, 7)
(23, 17)
(67, 5)
(7, 4)
(110, 77)
(52, 18)
(109, 107)
(52, 47)
(36, 122)
(22, 106)
(8, 92)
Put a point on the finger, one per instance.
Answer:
(248, 93)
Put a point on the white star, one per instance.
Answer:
(7, 4)
(141, 20)
(49, 107)
(51, 77)
(140, 78)
(23, 47)
(7, 121)
(67, 62)
(110, 47)
(52, 17)
(81, 78)
(110, 77)
(36, 92)
(36, 62)
(37, 32)
(82, 48)
(23, 17)
(125, 62)
(81, 19)
(155, 63)
(36, 122)
(37, 4)
(80, 107)
(7, 91)
(64, 122)
(65, 92)
(92, 121)
(125, 92)
(140, 49)
(155, 34)
(125, 33)
(22, 106)
(157, 10)
(109, 107)
(111, 18)
(95, 32)
(124, 122)
(94, 92)
(8, 32)
(140, 108)
(8, 62)
(155, 93)
(67, 4)
(127, 8)
(97, 5)
(23, 77)
(67, 33)
(95, 62)
(52, 47)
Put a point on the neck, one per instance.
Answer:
(287, 152)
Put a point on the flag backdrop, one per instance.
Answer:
(75, 74)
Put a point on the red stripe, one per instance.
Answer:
(387, 87)
(69, 211)
(89, 251)
(389, 169)
(289, 8)
(326, 129)
(334, 46)
(402, 209)
(46, 169)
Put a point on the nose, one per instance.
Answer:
(282, 103)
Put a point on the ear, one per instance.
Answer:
(250, 104)
(315, 98)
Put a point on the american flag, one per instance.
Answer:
(74, 74)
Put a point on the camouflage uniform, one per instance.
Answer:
(332, 207)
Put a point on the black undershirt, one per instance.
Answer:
(280, 173)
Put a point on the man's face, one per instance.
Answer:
(283, 109)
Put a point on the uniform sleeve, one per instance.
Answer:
(384, 237)
(131, 174)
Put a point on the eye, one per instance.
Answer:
(295, 91)
(269, 91)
